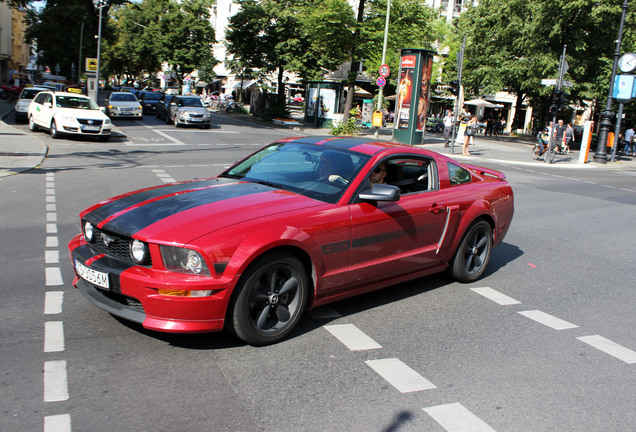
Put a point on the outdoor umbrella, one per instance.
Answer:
(482, 103)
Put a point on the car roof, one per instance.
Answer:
(366, 145)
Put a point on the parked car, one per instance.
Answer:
(22, 105)
(149, 100)
(123, 104)
(293, 226)
(68, 113)
(163, 106)
(188, 110)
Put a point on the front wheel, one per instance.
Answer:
(535, 152)
(473, 253)
(270, 299)
(32, 126)
(176, 121)
(55, 134)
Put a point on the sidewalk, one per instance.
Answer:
(19, 151)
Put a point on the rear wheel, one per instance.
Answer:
(535, 152)
(270, 299)
(473, 253)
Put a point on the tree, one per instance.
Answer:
(512, 44)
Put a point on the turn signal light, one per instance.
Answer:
(185, 293)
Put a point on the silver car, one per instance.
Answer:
(123, 104)
(188, 110)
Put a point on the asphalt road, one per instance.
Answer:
(546, 341)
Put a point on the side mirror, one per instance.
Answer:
(381, 192)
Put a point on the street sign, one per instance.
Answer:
(384, 71)
(380, 82)
(91, 64)
(548, 82)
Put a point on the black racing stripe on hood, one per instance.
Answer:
(141, 217)
(107, 210)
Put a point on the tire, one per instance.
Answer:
(176, 121)
(32, 126)
(473, 253)
(55, 134)
(269, 300)
(535, 153)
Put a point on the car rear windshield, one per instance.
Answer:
(318, 172)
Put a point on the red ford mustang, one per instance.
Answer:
(291, 227)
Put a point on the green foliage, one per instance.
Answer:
(347, 128)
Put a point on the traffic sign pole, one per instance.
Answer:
(386, 37)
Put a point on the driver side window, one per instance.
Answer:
(412, 174)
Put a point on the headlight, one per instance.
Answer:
(69, 119)
(107, 122)
(139, 252)
(89, 232)
(184, 260)
(206, 115)
(183, 115)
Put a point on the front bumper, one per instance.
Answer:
(133, 293)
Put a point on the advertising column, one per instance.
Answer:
(411, 105)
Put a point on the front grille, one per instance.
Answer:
(90, 122)
(114, 245)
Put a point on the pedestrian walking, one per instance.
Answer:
(559, 133)
(449, 124)
(628, 143)
(471, 128)
(569, 137)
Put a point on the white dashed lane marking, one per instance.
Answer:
(53, 302)
(57, 423)
(611, 348)
(53, 336)
(548, 320)
(496, 296)
(352, 337)
(399, 375)
(455, 418)
(53, 276)
(55, 383)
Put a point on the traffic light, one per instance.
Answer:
(454, 87)
(558, 101)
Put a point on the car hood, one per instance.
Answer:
(178, 213)
(81, 113)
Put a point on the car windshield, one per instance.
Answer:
(190, 102)
(76, 102)
(318, 172)
(152, 96)
(123, 97)
(29, 93)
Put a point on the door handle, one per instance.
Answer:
(436, 209)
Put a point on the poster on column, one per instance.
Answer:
(422, 103)
(405, 89)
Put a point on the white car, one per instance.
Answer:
(68, 113)
(123, 104)
(22, 105)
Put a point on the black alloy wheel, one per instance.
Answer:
(269, 300)
(473, 253)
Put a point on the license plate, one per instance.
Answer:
(90, 128)
(93, 276)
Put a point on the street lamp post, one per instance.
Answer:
(606, 116)
(99, 4)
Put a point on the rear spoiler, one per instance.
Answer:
(486, 171)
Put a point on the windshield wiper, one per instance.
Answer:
(267, 183)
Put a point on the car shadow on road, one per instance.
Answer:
(500, 257)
